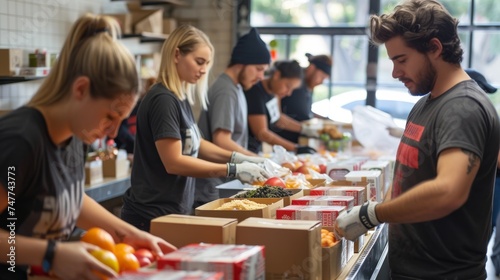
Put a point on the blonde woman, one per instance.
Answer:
(90, 90)
(169, 150)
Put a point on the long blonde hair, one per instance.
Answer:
(92, 50)
(186, 38)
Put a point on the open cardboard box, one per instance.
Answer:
(293, 248)
(287, 200)
(181, 230)
(208, 209)
(145, 20)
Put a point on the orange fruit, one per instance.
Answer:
(106, 257)
(123, 248)
(127, 262)
(99, 237)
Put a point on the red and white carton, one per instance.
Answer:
(359, 193)
(326, 214)
(374, 190)
(304, 200)
(338, 200)
(288, 212)
(171, 275)
(237, 262)
(337, 170)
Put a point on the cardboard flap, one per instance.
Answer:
(187, 219)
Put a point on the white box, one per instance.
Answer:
(385, 169)
(374, 187)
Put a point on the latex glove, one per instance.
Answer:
(239, 158)
(396, 131)
(305, 150)
(309, 131)
(357, 221)
(247, 172)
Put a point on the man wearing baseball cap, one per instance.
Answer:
(249, 59)
(298, 105)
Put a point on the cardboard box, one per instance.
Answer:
(181, 230)
(358, 193)
(287, 200)
(125, 22)
(334, 259)
(169, 25)
(359, 243)
(115, 168)
(93, 172)
(10, 61)
(42, 59)
(337, 170)
(293, 248)
(145, 20)
(208, 210)
(237, 262)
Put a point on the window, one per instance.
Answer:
(340, 29)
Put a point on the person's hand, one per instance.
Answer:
(239, 158)
(309, 131)
(247, 172)
(142, 239)
(72, 260)
(353, 223)
(305, 150)
(395, 131)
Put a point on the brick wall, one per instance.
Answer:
(43, 24)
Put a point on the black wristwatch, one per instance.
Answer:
(48, 258)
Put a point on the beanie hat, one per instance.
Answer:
(322, 62)
(250, 49)
(481, 81)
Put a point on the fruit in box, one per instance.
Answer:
(275, 182)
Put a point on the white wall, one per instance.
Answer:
(44, 24)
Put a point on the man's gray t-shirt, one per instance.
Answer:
(454, 246)
(227, 110)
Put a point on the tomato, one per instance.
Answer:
(144, 253)
(275, 182)
(144, 261)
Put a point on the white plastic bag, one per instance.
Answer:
(370, 129)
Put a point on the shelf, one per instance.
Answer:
(17, 79)
(162, 2)
(145, 38)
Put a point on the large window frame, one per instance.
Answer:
(371, 84)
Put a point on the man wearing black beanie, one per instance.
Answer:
(249, 59)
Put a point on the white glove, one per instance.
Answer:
(239, 158)
(396, 131)
(309, 131)
(247, 172)
(357, 221)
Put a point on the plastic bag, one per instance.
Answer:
(370, 129)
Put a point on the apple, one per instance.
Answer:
(144, 253)
(322, 168)
(303, 169)
(144, 261)
(275, 182)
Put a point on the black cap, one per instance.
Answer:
(250, 49)
(321, 63)
(481, 81)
